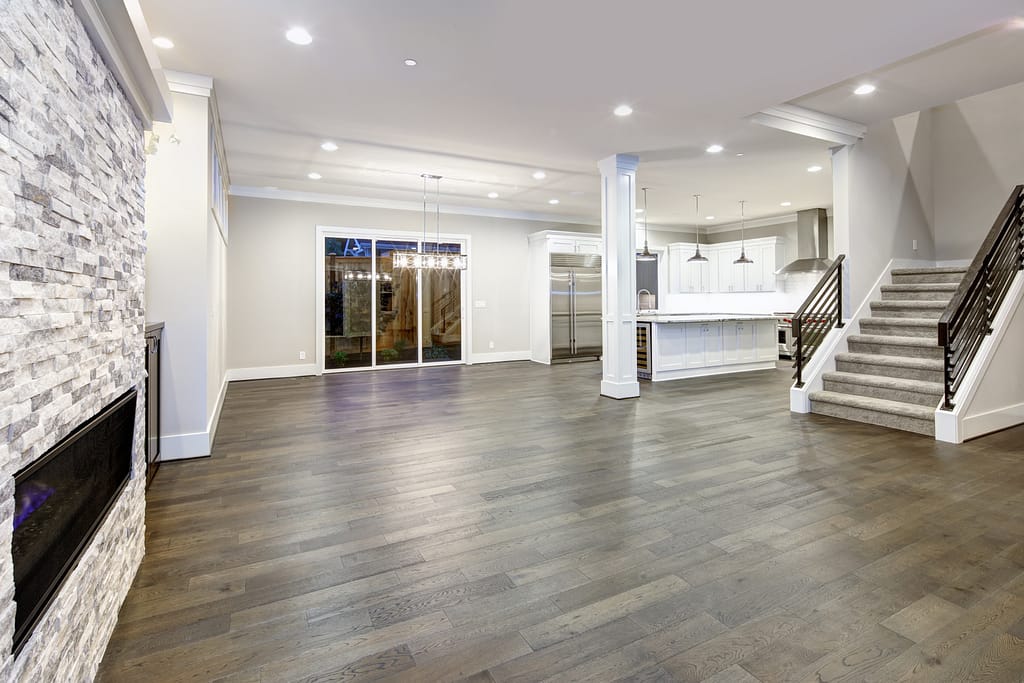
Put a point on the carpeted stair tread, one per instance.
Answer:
(898, 361)
(880, 405)
(886, 340)
(910, 304)
(894, 383)
(929, 271)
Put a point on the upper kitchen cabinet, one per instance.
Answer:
(568, 243)
(721, 274)
(685, 275)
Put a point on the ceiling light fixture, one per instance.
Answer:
(813, 169)
(786, 204)
(492, 195)
(163, 43)
(743, 260)
(646, 254)
(714, 149)
(739, 154)
(539, 175)
(437, 259)
(553, 201)
(623, 110)
(709, 218)
(410, 62)
(697, 258)
(864, 89)
(640, 211)
(329, 146)
(314, 176)
(298, 35)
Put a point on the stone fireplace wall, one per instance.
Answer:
(71, 307)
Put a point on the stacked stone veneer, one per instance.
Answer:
(71, 307)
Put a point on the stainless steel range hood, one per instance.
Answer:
(811, 243)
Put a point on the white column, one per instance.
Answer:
(618, 266)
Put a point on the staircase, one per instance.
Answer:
(892, 374)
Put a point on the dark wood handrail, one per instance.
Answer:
(971, 311)
(822, 309)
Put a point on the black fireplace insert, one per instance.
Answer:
(61, 500)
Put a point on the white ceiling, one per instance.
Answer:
(505, 87)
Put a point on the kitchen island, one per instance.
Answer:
(677, 346)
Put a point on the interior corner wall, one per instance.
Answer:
(177, 263)
(978, 158)
(890, 199)
(272, 271)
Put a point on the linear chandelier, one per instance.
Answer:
(430, 260)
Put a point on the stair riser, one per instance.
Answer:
(926, 400)
(894, 350)
(927, 279)
(921, 332)
(898, 312)
(894, 371)
(874, 417)
(916, 296)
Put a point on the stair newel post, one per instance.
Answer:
(839, 297)
(799, 351)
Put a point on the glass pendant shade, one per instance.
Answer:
(423, 259)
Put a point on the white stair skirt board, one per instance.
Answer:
(825, 359)
(498, 356)
(991, 396)
(272, 372)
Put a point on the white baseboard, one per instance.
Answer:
(271, 372)
(498, 356)
(184, 446)
(620, 390)
(211, 426)
(991, 421)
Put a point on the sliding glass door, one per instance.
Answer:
(375, 315)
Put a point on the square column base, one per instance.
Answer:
(620, 390)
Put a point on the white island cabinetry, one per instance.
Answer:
(684, 346)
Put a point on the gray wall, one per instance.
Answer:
(272, 270)
(978, 157)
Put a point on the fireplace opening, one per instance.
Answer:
(61, 500)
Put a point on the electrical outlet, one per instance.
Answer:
(302, 355)
(490, 345)
(915, 245)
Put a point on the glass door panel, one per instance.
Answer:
(348, 310)
(397, 306)
(441, 327)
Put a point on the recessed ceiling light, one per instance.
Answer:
(739, 154)
(314, 176)
(539, 175)
(552, 201)
(623, 110)
(786, 204)
(329, 146)
(1017, 23)
(813, 169)
(864, 89)
(714, 149)
(410, 62)
(270, 187)
(709, 218)
(163, 43)
(492, 195)
(639, 210)
(298, 35)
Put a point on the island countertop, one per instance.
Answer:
(700, 317)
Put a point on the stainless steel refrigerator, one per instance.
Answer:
(575, 306)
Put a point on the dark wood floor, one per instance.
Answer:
(504, 522)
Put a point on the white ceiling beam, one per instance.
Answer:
(810, 123)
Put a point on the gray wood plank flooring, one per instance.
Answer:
(505, 523)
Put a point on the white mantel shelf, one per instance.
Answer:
(700, 344)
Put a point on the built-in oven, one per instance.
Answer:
(784, 325)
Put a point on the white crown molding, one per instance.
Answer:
(400, 205)
(119, 32)
(754, 223)
(190, 84)
(810, 123)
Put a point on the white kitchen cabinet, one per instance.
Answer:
(738, 341)
(695, 345)
(703, 344)
(721, 274)
(562, 244)
(767, 340)
(694, 357)
(672, 345)
(686, 276)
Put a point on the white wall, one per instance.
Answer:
(272, 271)
(177, 181)
(978, 158)
(890, 199)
